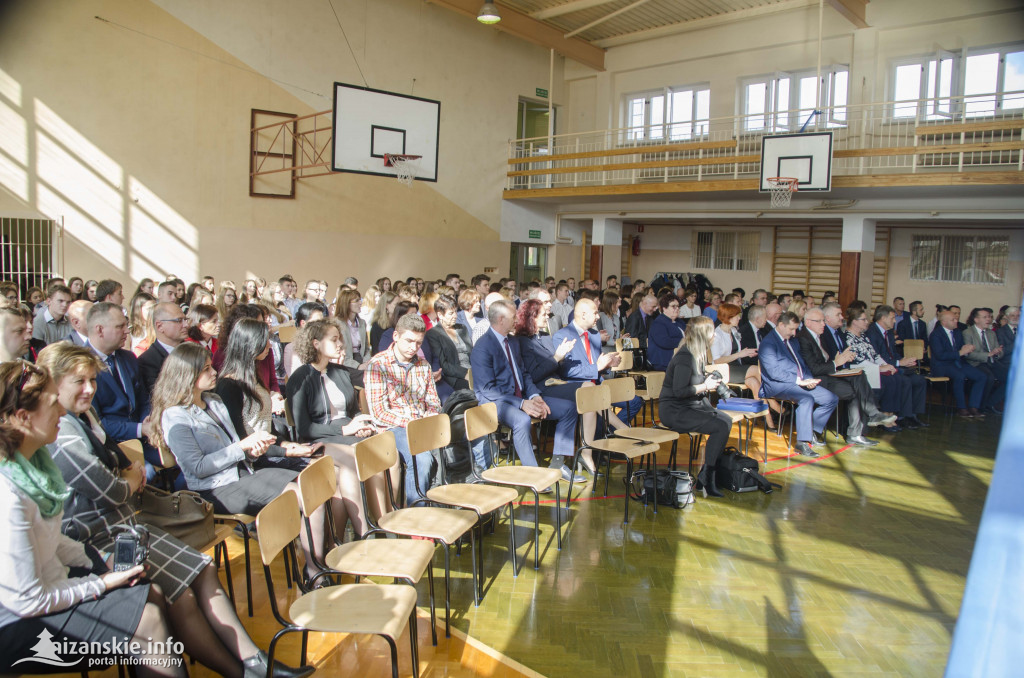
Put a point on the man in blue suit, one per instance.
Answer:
(948, 351)
(585, 362)
(912, 326)
(121, 400)
(499, 377)
(784, 374)
(880, 334)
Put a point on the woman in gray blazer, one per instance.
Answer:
(354, 334)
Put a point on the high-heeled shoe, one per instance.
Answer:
(257, 666)
(588, 466)
(706, 482)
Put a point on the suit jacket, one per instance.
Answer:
(346, 337)
(945, 356)
(121, 411)
(904, 332)
(538, 354)
(972, 335)
(663, 338)
(884, 346)
(493, 380)
(575, 366)
(75, 338)
(748, 336)
(150, 362)
(828, 342)
(637, 327)
(811, 353)
(778, 369)
(204, 443)
(1007, 339)
(447, 356)
(307, 401)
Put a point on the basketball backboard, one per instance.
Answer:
(806, 157)
(369, 123)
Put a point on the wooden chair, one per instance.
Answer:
(383, 610)
(404, 559)
(482, 422)
(286, 333)
(598, 399)
(624, 390)
(377, 455)
(915, 348)
(626, 362)
(469, 377)
(435, 432)
(749, 418)
(654, 382)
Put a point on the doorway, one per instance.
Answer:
(532, 135)
(528, 262)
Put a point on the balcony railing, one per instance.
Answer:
(953, 134)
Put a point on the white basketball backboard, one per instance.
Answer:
(806, 157)
(369, 123)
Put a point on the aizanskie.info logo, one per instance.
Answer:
(68, 653)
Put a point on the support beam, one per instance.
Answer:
(566, 8)
(522, 26)
(853, 10)
(606, 17)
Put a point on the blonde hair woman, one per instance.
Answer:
(149, 331)
(370, 298)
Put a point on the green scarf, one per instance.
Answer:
(39, 478)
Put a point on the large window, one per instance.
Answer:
(978, 259)
(674, 114)
(990, 80)
(726, 250)
(783, 102)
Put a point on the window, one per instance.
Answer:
(960, 258)
(784, 101)
(726, 250)
(989, 79)
(675, 113)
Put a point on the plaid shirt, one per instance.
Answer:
(399, 393)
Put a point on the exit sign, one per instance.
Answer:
(534, 235)
(542, 93)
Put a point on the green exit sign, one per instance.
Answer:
(542, 93)
(534, 235)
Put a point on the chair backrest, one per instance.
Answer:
(317, 484)
(469, 376)
(364, 404)
(627, 360)
(286, 333)
(133, 450)
(655, 380)
(278, 524)
(288, 418)
(429, 433)
(621, 390)
(375, 454)
(595, 399)
(618, 345)
(913, 348)
(481, 420)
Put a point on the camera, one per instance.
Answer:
(721, 389)
(131, 546)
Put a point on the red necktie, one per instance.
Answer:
(512, 366)
(586, 345)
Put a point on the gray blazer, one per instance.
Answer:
(972, 335)
(207, 452)
(611, 325)
(346, 337)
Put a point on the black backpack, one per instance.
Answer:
(674, 488)
(738, 473)
(458, 458)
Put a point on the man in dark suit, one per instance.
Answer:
(772, 312)
(585, 362)
(785, 375)
(750, 331)
(880, 334)
(639, 323)
(121, 399)
(171, 328)
(499, 377)
(78, 313)
(758, 299)
(912, 326)
(833, 339)
(948, 351)
(855, 390)
(1007, 335)
(986, 358)
(955, 310)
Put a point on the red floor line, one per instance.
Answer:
(812, 461)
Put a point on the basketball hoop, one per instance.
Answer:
(782, 190)
(406, 167)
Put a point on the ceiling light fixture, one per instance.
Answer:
(488, 14)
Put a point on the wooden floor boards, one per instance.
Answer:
(856, 567)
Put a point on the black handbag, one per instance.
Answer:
(738, 473)
(672, 488)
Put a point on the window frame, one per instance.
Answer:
(943, 250)
(644, 129)
(737, 238)
(793, 117)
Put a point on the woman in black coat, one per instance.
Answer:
(684, 405)
(450, 346)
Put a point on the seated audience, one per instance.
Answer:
(689, 308)
(1007, 334)
(78, 312)
(955, 310)
(726, 349)
(786, 376)
(170, 327)
(750, 329)
(711, 310)
(306, 313)
(400, 388)
(51, 325)
(912, 326)
(684, 405)
(204, 326)
(638, 324)
(366, 309)
(110, 291)
(101, 484)
(500, 377)
(90, 290)
(855, 389)
(167, 292)
(483, 326)
(986, 357)
(427, 311)
(665, 332)
(382, 318)
(451, 346)
(561, 305)
(34, 296)
(15, 333)
(77, 288)
(609, 322)
(141, 333)
(949, 353)
(880, 334)
(354, 335)
(265, 366)
(227, 298)
(939, 308)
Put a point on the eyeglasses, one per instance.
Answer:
(183, 321)
(673, 305)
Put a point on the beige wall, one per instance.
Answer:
(136, 134)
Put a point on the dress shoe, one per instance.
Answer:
(909, 422)
(257, 666)
(976, 413)
(861, 441)
(567, 476)
(547, 490)
(805, 449)
(883, 421)
(990, 410)
(817, 439)
(920, 424)
(892, 429)
(966, 414)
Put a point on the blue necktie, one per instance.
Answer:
(112, 363)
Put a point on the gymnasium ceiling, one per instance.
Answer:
(583, 29)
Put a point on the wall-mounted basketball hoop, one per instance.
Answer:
(782, 189)
(406, 166)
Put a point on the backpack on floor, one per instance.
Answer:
(674, 488)
(457, 455)
(738, 473)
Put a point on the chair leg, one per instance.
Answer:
(536, 525)
(227, 571)
(625, 503)
(512, 536)
(394, 656)
(473, 553)
(649, 458)
(287, 573)
(558, 513)
(414, 642)
(447, 592)
(433, 614)
(248, 569)
(304, 648)
(607, 472)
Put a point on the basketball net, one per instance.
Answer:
(406, 167)
(782, 190)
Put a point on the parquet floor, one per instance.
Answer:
(856, 567)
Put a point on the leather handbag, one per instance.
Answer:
(182, 514)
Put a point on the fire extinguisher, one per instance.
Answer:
(636, 247)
